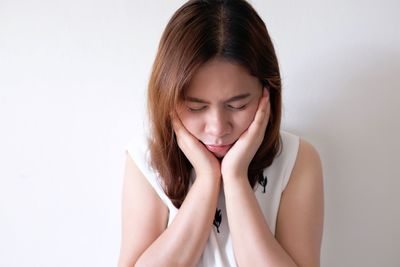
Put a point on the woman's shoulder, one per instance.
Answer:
(307, 167)
(308, 150)
(308, 160)
(296, 155)
(297, 145)
(138, 150)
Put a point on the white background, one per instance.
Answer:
(73, 76)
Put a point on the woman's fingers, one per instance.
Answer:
(179, 129)
(259, 124)
(202, 160)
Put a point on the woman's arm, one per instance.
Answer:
(145, 239)
(301, 213)
(144, 215)
(299, 223)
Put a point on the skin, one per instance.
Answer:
(218, 120)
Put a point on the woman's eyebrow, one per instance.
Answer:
(195, 99)
(232, 99)
(238, 97)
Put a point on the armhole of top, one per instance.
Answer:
(140, 157)
(290, 146)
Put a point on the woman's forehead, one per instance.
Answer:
(222, 76)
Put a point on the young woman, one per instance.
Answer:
(218, 183)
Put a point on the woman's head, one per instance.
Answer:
(211, 51)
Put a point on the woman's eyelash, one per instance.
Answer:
(229, 106)
(196, 109)
(238, 108)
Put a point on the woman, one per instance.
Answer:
(219, 184)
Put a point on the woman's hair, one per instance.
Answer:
(197, 32)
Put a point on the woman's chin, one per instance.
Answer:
(219, 156)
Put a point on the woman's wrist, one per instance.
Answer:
(235, 180)
(209, 180)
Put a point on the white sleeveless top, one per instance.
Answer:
(219, 250)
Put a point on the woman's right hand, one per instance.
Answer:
(203, 161)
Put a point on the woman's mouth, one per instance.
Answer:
(220, 149)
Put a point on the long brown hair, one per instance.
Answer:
(196, 33)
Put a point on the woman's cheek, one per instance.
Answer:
(191, 123)
(248, 117)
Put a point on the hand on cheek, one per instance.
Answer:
(204, 162)
(237, 160)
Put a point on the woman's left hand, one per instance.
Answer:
(236, 162)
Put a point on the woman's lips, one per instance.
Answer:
(218, 148)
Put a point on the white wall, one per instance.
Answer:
(72, 87)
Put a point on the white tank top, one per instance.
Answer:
(268, 191)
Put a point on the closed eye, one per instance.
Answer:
(237, 107)
(197, 109)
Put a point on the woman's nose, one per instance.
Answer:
(218, 124)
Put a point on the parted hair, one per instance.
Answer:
(198, 32)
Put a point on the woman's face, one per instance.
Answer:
(219, 104)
